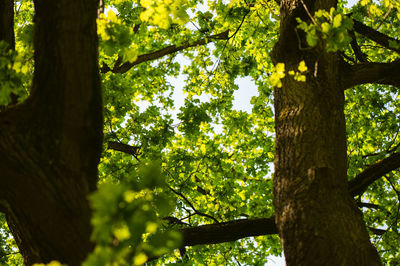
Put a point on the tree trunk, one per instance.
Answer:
(318, 222)
(7, 22)
(50, 145)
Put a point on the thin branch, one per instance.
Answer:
(376, 36)
(9, 254)
(308, 13)
(240, 25)
(191, 205)
(362, 181)
(398, 200)
(381, 73)
(122, 68)
(385, 16)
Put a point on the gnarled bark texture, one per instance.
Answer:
(50, 145)
(318, 222)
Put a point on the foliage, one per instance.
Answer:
(331, 27)
(214, 159)
(9, 254)
(126, 219)
(12, 74)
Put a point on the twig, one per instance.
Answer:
(385, 17)
(240, 25)
(191, 205)
(308, 13)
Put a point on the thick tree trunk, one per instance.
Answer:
(50, 145)
(318, 222)
(7, 22)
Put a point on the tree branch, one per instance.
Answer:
(234, 230)
(238, 229)
(381, 73)
(377, 231)
(125, 148)
(360, 56)
(228, 231)
(367, 205)
(360, 183)
(162, 52)
(376, 36)
(191, 205)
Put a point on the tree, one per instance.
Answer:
(205, 171)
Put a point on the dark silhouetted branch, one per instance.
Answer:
(125, 148)
(191, 205)
(228, 231)
(360, 56)
(376, 36)
(124, 67)
(238, 229)
(381, 73)
(360, 183)
(367, 205)
(377, 231)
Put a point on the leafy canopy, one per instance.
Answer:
(208, 160)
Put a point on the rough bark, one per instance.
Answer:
(50, 145)
(317, 220)
(7, 22)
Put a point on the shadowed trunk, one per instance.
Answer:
(7, 22)
(318, 222)
(50, 145)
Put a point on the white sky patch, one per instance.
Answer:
(242, 96)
